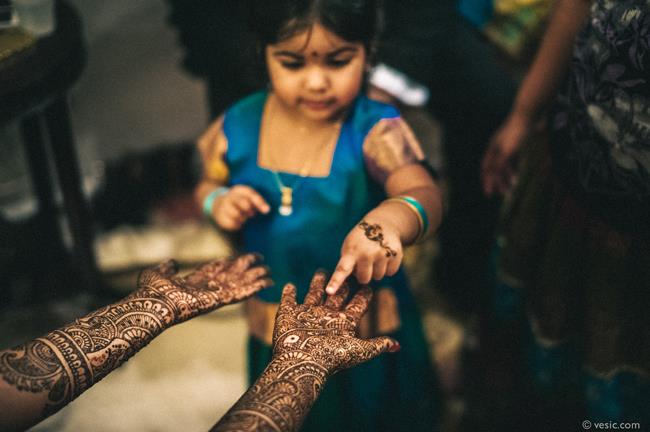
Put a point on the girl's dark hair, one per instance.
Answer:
(352, 20)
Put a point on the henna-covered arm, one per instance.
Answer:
(42, 376)
(311, 342)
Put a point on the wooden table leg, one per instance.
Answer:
(32, 132)
(46, 252)
(57, 118)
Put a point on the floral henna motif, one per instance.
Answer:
(68, 361)
(374, 233)
(311, 342)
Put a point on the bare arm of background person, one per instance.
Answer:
(311, 342)
(535, 94)
(40, 377)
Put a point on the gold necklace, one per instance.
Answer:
(286, 192)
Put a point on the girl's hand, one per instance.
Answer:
(370, 251)
(498, 166)
(235, 207)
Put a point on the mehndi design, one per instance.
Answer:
(374, 233)
(311, 341)
(68, 361)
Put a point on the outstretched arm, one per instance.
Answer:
(42, 376)
(535, 94)
(311, 342)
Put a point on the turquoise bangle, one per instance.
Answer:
(208, 202)
(423, 214)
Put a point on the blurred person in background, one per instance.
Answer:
(573, 260)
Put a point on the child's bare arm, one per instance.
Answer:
(229, 207)
(373, 249)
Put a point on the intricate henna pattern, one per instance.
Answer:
(68, 361)
(311, 341)
(374, 233)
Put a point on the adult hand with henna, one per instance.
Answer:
(311, 341)
(40, 377)
(208, 287)
(326, 330)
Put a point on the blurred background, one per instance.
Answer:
(136, 109)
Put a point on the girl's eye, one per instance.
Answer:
(292, 65)
(338, 63)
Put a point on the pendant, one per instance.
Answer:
(286, 201)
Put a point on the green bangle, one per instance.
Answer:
(208, 202)
(423, 214)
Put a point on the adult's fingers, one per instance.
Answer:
(316, 291)
(254, 287)
(214, 266)
(288, 296)
(343, 269)
(373, 347)
(335, 301)
(256, 273)
(167, 268)
(359, 303)
(244, 262)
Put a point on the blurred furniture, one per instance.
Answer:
(34, 82)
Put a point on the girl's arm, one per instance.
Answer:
(537, 91)
(228, 207)
(42, 376)
(373, 248)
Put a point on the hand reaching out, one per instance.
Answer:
(499, 162)
(370, 251)
(325, 330)
(41, 376)
(210, 286)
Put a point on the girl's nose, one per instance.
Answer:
(316, 80)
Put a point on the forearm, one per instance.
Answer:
(280, 399)
(43, 375)
(413, 181)
(552, 60)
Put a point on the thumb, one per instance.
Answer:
(375, 346)
(167, 268)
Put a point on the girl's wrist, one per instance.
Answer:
(209, 200)
(414, 208)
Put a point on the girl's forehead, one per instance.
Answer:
(315, 41)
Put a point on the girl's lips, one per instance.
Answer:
(317, 105)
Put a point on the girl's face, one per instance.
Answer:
(316, 74)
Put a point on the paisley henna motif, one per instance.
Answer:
(68, 361)
(374, 233)
(311, 342)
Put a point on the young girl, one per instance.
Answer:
(316, 175)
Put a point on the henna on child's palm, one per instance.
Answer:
(68, 361)
(374, 232)
(310, 342)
